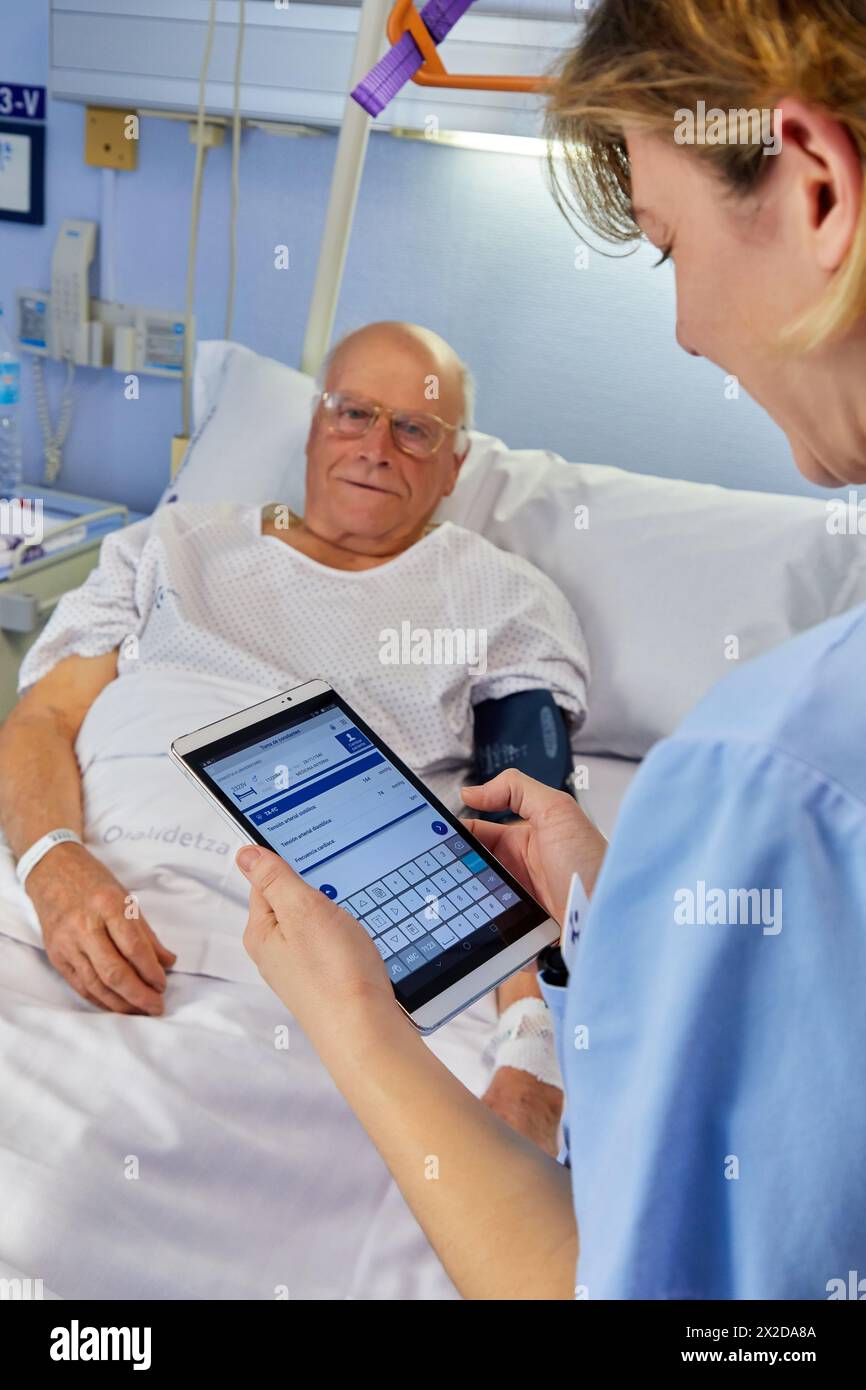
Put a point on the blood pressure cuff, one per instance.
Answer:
(527, 731)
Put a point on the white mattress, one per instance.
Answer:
(187, 1157)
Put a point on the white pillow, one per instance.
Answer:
(251, 416)
(665, 574)
(674, 582)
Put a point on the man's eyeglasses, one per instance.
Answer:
(417, 434)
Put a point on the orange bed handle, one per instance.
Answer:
(404, 18)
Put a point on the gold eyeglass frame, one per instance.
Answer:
(327, 396)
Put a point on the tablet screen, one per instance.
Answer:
(317, 786)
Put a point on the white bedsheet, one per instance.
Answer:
(157, 834)
(253, 1175)
(253, 1172)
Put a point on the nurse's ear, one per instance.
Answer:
(829, 178)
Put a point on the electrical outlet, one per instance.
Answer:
(106, 145)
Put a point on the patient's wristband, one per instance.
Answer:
(525, 1039)
(32, 856)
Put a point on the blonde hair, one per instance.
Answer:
(640, 61)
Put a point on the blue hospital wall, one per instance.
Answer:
(579, 360)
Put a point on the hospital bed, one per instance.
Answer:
(194, 1157)
(197, 1155)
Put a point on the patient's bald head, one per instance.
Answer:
(375, 488)
(424, 356)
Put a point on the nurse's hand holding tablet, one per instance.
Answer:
(328, 973)
(324, 966)
(302, 774)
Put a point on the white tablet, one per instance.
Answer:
(302, 774)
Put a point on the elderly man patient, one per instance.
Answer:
(191, 615)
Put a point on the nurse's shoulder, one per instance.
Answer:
(805, 699)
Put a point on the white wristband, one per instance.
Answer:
(32, 856)
(525, 1039)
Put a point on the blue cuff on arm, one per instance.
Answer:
(526, 730)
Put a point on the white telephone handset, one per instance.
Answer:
(70, 291)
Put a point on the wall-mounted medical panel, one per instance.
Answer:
(297, 60)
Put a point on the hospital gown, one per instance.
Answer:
(200, 590)
(712, 1043)
(211, 616)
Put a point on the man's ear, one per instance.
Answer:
(308, 450)
(315, 422)
(451, 487)
(459, 460)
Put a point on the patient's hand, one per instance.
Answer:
(530, 1106)
(108, 958)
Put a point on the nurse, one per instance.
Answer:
(713, 1029)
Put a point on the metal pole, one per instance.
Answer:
(345, 183)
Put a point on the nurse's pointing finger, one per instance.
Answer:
(513, 791)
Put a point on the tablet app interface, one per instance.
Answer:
(348, 821)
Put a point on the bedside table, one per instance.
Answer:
(31, 588)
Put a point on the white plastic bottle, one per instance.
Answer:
(11, 456)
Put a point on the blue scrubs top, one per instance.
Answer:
(712, 1035)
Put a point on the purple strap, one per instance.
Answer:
(401, 62)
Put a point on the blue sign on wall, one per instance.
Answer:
(22, 103)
